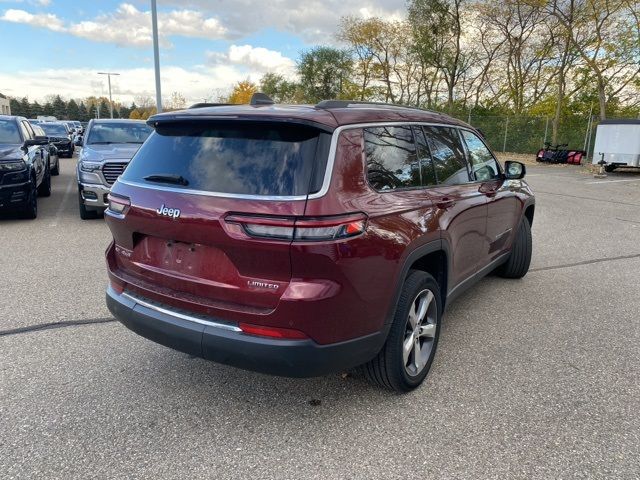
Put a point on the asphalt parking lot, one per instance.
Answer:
(537, 378)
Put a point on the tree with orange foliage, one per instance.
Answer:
(242, 92)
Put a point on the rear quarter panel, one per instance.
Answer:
(367, 268)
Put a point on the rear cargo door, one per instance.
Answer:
(204, 198)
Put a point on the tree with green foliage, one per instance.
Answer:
(279, 88)
(16, 108)
(36, 109)
(25, 108)
(437, 30)
(103, 109)
(73, 111)
(606, 35)
(324, 73)
(59, 108)
(83, 114)
(47, 109)
(124, 112)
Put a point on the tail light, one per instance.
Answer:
(117, 204)
(300, 229)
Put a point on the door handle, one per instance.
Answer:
(445, 202)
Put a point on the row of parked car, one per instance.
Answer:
(30, 152)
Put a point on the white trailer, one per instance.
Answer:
(618, 144)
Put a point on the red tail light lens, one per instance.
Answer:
(301, 229)
(330, 228)
(272, 332)
(118, 205)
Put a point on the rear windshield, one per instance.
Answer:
(9, 132)
(54, 129)
(105, 133)
(245, 159)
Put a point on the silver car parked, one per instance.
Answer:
(108, 146)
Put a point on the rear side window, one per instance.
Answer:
(392, 161)
(447, 154)
(247, 158)
(426, 165)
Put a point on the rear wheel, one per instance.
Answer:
(44, 190)
(519, 260)
(610, 168)
(55, 171)
(85, 213)
(407, 355)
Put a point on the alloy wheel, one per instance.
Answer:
(420, 332)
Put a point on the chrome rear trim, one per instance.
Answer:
(189, 318)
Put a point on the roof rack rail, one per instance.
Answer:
(329, 104)
(206, 104)
(259, 98)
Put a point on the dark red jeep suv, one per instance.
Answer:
(304, 240)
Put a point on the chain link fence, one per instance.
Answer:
(527, 134)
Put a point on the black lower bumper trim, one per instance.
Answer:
(291, 358)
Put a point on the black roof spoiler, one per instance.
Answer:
(206, 104)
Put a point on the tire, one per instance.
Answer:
(30, 210)
(519, 260)
(391, 369)
(56, 170)
(610, 168)
(85, 213)
(44, 190)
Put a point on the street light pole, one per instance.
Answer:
(108, 74)
(156, 54)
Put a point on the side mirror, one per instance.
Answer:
(39, 140)
(514, 170)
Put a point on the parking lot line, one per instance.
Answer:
(613, 181)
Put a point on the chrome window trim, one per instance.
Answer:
(326, 183)
(223, 326)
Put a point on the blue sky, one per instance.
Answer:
(206, 45)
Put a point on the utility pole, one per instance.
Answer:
(108, 74)
(156, 53)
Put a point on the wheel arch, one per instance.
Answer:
(529, 212)
(433, 258)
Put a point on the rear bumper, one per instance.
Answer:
(224, 342)
(66, 148)
(14, 195)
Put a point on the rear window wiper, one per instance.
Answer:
(167, 178)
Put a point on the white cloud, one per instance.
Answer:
(255, 59)
(130, 26)
(127, 25)
(196, 84)
(314, 20)
(45, 20)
